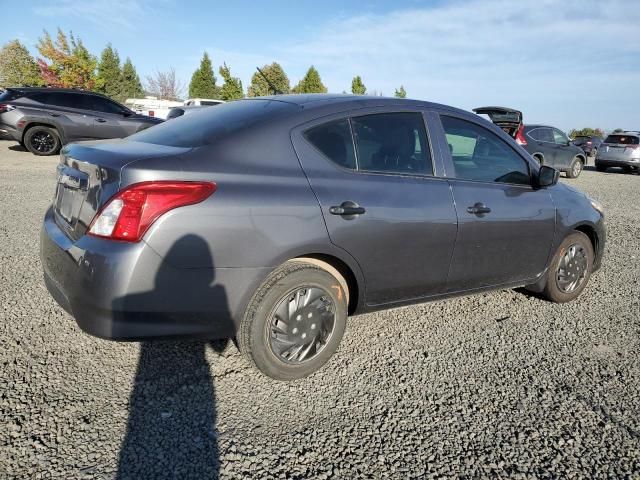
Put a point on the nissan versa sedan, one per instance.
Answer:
(273, 219)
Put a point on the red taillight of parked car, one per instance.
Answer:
(520, 140)
(129, 214)
(6, 108)
(151, 113)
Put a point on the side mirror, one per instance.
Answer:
(547, 176)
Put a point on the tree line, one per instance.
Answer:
(66, 62)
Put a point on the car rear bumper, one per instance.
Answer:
(617, 162)
(7, 132)
(126, 291)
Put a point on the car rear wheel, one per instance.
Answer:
(41, 140)
(570, 269)
(295, 321)
(576, 168)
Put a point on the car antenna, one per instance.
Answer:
(276, 90)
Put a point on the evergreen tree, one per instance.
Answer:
(232, 87)
(277, 78)
(17, 67)
(130, 85)
(401, 92)
(70, 63)
(203, 81)
(357, 87)
(310, 83)
(109, 77)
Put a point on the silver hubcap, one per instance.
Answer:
(572, 269)
(577, 166)
(301, 324)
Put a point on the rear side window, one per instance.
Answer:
(62, 99)
(480, 155)
(392, 143)
(9, 95)
(333, 139)
(204, 127)
(542, 135)
(623, 139)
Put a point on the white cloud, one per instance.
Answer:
(115, 13)
(546, 56)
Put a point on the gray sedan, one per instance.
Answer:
(273, 219)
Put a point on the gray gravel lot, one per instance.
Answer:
(500, 384)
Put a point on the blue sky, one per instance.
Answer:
(570, 63)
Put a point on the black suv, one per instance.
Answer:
(588, 143)
(547, 145)
(44, 119)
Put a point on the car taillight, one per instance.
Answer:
(632, 147)
(6, 108)
(520, 140)
(129, 213)
(151, 113)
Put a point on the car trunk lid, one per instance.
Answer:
(506, 118)
(89, 174)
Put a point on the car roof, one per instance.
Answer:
(314, 101)
(52, 89)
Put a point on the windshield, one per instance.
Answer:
(623, 139)
(203, 126)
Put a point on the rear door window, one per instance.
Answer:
(392, 143)
(623, 139)
(480, 155)
(334, 141)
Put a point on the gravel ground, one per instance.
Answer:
(494, 385)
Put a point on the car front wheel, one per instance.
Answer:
(41, 140)
(295, 321)
(570, 269)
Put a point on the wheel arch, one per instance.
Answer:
(30, 125)
(539, 157)
(355, 293)
(591, 233)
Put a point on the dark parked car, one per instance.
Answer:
(176, 112)
(588, 143)
(272, 219)
(547, 145)
(44, 119)
(620, 150)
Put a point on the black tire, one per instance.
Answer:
(553, 291)
(627, 169)
(576, 167)
(42, 141)
(601, 168)
(259, 331)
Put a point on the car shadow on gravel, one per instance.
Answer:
(171, 430)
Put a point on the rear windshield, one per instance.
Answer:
(202, 127)
(623, 139)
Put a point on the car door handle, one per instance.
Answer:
(101, 120)
(479, 209)
(346, 209)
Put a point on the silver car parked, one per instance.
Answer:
(620, 150)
